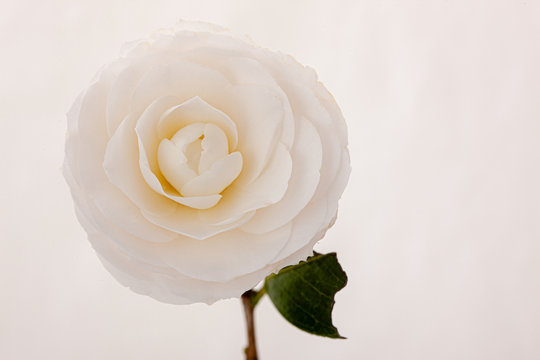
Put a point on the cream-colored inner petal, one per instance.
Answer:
(214, 147)
(215, 179)
(196, 161)
(196, 110)
(173, 164)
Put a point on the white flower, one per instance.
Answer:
(199, 163)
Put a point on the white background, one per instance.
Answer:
(439, 228)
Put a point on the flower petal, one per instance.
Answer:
(305, 102)
(267, 189)
(118, 99)
(213, 181)
(225, 256)
(173, 165)
(122, 167)
(318, 215)
(193, 224)
(246, 71)
(306, 155)
(259, 116)
(184, 80)
(196, 110)
(215, 147)
(306, 226)
(146, 131)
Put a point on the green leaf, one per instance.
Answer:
(304, 293)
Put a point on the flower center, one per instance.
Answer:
(196, 160)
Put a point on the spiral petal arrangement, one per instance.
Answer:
(199, 163)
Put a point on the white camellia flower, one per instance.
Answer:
(199, 163)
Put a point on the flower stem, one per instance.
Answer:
(248, 300)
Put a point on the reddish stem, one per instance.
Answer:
(251, 349)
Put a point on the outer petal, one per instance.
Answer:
(305, 102)
(259, 117)
(307, 159)
(177, 289)
(225, 256)
(184, 80)
(86, 164)
(306, 226)
(219, 258)
(118, 99)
